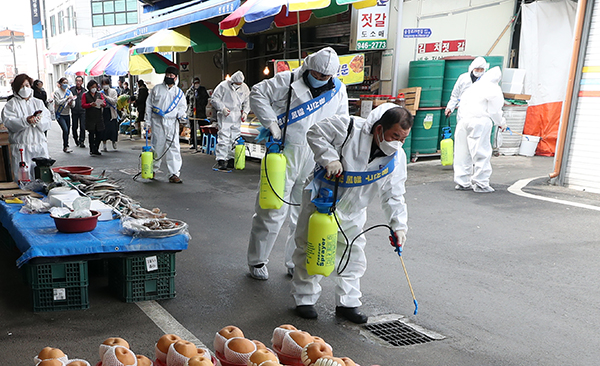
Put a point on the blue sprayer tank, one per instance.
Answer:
(322, 236)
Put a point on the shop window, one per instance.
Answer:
(114, 12)
(52, 26)
(61, 22)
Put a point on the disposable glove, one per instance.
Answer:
(226, 112)
(334, 169)
(244, 115)
(275, 131)
(400, 237)
(448, 112)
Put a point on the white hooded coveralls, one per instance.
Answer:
(325, 139)
(23, 135)
(237, 99)
(480, 109)
(463, 82)
(165, 130)
(268, 99)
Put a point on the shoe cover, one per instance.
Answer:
(175, 358)
(479, 189)
(236, 357)
(261, 273)
(76, 359)
(110, 357)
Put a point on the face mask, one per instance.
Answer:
(316, 83)
(169, 81)
(196, 86)
(64, 86)
(388, 147)
(93, 90)
(25, 92)
(105, 87)
(478, 74)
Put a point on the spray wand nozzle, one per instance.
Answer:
(394, 241)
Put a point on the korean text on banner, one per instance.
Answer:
(351, 71)
(372, 27)
(36, 19)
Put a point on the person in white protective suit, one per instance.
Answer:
(480, 109)
(26, 127)
(165, 106)
(231, 100)
(315, 80)
(476, 70)
(370, 156)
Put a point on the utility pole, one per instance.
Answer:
(14, 51)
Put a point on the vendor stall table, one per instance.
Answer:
(45, 250)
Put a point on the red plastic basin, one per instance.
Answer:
(76, 169)
(80, 225)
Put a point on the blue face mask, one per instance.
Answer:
(316, 83)
(64, 86)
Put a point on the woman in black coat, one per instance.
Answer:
(93, 101)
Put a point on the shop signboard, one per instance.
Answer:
(351, 71)
(370, 27)
(443, 46)
(417, 32)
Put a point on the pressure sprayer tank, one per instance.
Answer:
(240, 154)
(273, 163)
(447, 147)
(322, 236)
(147, 162)
(23, 174)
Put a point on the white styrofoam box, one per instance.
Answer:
(513, 76)
(104, 209)
(512, 88)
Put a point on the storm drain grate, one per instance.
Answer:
(398, 334)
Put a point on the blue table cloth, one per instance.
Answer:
(36, 236)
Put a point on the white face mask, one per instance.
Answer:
(105, 87)
(388, 147)
(25, 92)
(93, 90)
(478, 74)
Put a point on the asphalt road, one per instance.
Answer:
(506, 280)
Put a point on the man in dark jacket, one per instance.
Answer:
(197, 99)
(78, 113)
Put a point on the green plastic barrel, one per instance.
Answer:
(406, 146)
(429, 75)
(452, 70)
(425, 130)
(495, 61)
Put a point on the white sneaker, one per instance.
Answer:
(114, 145)
(260, 273)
